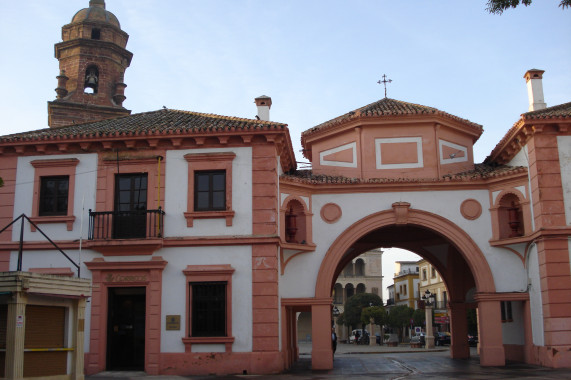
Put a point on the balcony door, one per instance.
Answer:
(130, 219)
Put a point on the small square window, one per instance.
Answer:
(208, 309)
(210, 190)
(54, 193)
(95, 34)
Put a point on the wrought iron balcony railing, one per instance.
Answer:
(139, 224)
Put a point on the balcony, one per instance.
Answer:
(126, 232)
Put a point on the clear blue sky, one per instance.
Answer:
(316, 59)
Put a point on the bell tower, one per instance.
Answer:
(92, 63)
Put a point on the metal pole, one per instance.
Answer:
(21, 247)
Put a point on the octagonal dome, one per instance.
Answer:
(96, 12)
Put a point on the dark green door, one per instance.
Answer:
(126, 329)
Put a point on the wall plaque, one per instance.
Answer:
(173, 322)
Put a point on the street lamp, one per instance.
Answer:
(428, 299)
(336, 311)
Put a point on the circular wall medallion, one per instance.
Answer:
(471, 209)
(330, 213)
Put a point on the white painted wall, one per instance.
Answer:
(507, 268)
(85, 185)
(564, 146)
(514, 332)
(174, 293)
(176, 193)
(535, 299)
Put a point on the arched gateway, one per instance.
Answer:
(457, 242)
(396, 174)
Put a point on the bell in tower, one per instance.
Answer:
(92, 63)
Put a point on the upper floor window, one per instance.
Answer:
(210, 190)
(359, 267)
(54, 188)
(433, 272)
(209, 186)
(424, 274)
(54, 192)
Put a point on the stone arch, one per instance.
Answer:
(403, 215)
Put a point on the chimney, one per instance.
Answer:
(535, 89)
(263, 103)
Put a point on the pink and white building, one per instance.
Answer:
(202, 241)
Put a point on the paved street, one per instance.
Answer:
(374, 362)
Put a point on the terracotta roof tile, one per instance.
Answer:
(387, 107)
(164, 121)
(480, 171)
(560, 111)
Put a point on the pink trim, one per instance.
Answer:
(209, 161)
(106, 178)
(221, 363)
(107, 274)
(54, 167)
(331, 213)
(125, 247)
(471, 209)
(210, 273)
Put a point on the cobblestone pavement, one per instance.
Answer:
(374, 362)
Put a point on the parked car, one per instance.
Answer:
(441, 338)
(363, 338)
(472, 340)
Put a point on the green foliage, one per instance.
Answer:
(1, 182)
(355, 305)
(499, 6)
(377, 313)
(341, 319)
(419, 316)
(399, 316)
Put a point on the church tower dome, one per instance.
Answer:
(92, 62)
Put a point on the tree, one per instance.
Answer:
(355, 305)
(499, 6)
(419, 317)
(399, 317)
(376, 313)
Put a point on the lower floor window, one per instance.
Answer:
(208, 308)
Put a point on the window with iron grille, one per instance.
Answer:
(208, 309)
(54, 191)
(210, 190)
